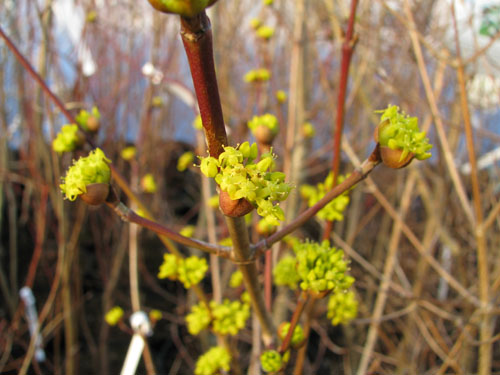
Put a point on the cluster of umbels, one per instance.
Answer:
(226, 318)
(212, 362)
(189, 271)
(334, 210)
(317, 268)
(70, 137)
(247, 183)
(400, 139)
(342, 307)
(264, 128)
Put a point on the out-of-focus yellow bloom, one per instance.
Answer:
(187, 231)
(281, 96)
(155, 315)
(184, 161)
(128, 153)
(308, 130)
(114, 315)
(265, 32)
(213, 202)
(148, 184)
(197, 123)
(157, 101)
(255, 23)
(257, 75)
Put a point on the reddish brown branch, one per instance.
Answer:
(197, 38)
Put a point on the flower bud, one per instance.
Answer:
(93, 124)
(96, 194)
(234, 208)
(264, 135)
(395, 158)
(184, 8)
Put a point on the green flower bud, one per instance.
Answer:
(271, 361)
(209, 166)
(298, 337)
(214, 361)
(185, 8)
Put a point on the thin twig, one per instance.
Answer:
(358, 175)
(126, 214)
(487, 325)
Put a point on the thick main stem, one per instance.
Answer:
(241, 247)
(197, 39)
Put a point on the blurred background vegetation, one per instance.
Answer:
(411, 234)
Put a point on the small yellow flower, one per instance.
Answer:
(184, 161)
(187, 231)
(236, 279)
(128, 153)
(213, 202)
(155, 315)
(197, 123)
(308, 130)
(257, 75)
(114, 315)
(91, 16)
(148, 184)
(255, 23)
(226, 241)
(281, 96)
(265, 32)
(157, 101)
